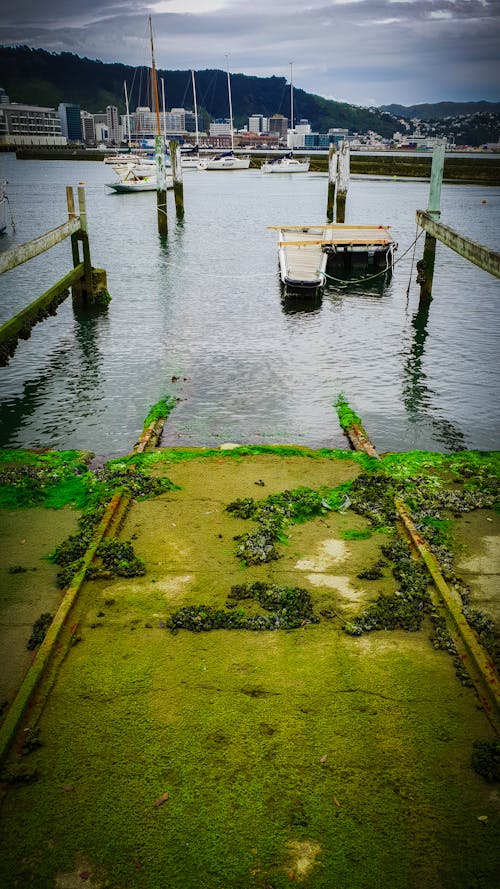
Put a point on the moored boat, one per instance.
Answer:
(228, 160)
(286, 164)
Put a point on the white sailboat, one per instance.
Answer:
(136, 177)
(287, 163)
(228, 160)
(148, 174)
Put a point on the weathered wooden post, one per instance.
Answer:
(342, 180)
(425, 266)
(176, 161)
(161, 185)
(70, 200)
(83, 235)
(332, 179)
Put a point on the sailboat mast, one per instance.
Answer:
(195, 107)
(163, 104)
(154, 81)
(291, 105)
(230, 103)
(129, 139)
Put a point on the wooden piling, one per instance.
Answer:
(332, 180)
(161, 179)
(342, 180)
(176, 161)
(425, 266)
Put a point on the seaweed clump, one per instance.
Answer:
(274, 513)
(117, 558)
(485, 759)
(39, 631)
(408, 606)
(116, 476)
(288, 608)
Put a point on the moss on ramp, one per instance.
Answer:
(246, 760)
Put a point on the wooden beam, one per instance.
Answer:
(484, 257)
(342, 226)
(343, 242)
(17, 255)
(11, 328)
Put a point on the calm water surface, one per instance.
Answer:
(206, 308)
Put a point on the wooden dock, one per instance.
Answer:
(305, 251)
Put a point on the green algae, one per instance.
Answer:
(160, 410)
(355, 534)
(275, 512)
(345, 413)
(50, 478)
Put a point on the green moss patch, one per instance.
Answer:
(49, 478)
(288, 607)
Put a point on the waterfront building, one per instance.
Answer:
(338, 134)
(88, 128)
(71, 125)
(4, 99)
(29, 125)
(113, 124)
(317, 140)
(257, 123)
(278, 124)
(220, 127)
(175, 124)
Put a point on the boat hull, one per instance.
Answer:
(225, 163)
(286, 167)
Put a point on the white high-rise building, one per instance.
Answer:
(258, 124)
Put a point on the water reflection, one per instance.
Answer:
(418, 395)
(89, 323)
(16, 412)
(300, 302)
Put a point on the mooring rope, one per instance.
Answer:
(344, 284)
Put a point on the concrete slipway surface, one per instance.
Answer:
(235, 759)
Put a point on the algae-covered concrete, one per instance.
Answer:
(27, 583)
(234, 759)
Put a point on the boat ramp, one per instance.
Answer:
(306, 251)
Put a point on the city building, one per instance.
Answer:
(29, 125)
(220, 127)
(88, 128)
(278, 124)
(317, 140)
(113, 124)
(338, 134)
(71, 125)
(257, 123)
(4, 99)
(176, 124)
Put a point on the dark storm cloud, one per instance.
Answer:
(364, 51)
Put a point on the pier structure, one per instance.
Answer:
(306, 251)
(429, 220)
(89, 285)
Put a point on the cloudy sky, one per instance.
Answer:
(368, 52)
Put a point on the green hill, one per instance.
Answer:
(39, 77)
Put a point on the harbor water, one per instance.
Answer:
(202, 317)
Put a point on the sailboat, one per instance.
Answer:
(287, 163)
(143, 175)
(228, 160)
